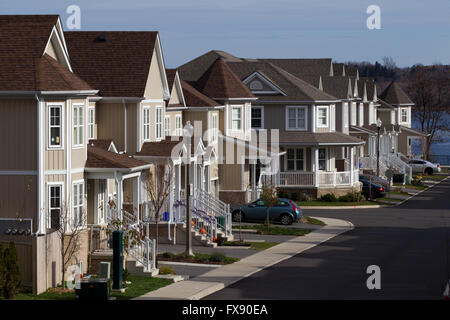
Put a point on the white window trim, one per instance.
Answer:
(178, 130)
(287, 118)
(82, 126)
(401, 115)
(61, 146)
(215, 129)
(167, 126)
(144, 109)
(262, 117)
(235, 106)
(318, 124)
(89, 109)
(49, 185)
(295, 160)
(159, 124)
(72, 211)
(326, 159)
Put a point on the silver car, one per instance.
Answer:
(424, 166)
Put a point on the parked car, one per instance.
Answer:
(378, 180)
(285, 211)
(424, 166)
(375, 190)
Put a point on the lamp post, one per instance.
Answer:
(187, 135)
(379, 123)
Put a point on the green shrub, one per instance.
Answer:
(417, 181)
(201, 257)
(166, 270)
(351, 197)
(2, 270)
(329, 197)
(295, 196)
(218, 257)
(125, 275)
(167, 255)
(12, 275)
(305, 197)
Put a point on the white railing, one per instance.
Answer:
(204, 223)
(296, 178)
(144, 252)
(307, 179)
(206, 202)
(342, 178)
(327, 178)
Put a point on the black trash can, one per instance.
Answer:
(93, 289)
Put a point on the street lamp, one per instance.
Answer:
(379, 123)
(187, 135)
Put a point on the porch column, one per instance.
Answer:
(177, 189)
(351, 166)
(137, 195)
(207, 178)
(316, 167)
(278, 170)
(119, 182)
(253, 168)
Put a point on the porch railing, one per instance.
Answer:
(296, 178)
(307, 179)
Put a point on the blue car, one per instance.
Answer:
(285, 211)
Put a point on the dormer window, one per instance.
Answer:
(404, 115)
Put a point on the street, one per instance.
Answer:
(410, 244)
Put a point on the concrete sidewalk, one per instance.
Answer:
(222, 277)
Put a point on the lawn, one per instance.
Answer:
(139, 285)
(252, 245)
(435, 177)
(317, 203)
(215, 258)
(314, 221)
(275, 231)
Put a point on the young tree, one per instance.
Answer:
(12, 275)
(158, 187)
(71, 226)
(429, 88)
(269, 195)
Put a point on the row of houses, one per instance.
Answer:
(86, 117)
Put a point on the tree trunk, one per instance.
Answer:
(62, 263)
(156, 243)
(267, 210)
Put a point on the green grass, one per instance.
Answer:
(317, 203)
(313, 221)
(435, 177)
(251, 244)
(215, 258)
(139, 286)
(274, 230)
(398, 193)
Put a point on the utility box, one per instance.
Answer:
(105, 270)
(117, 259)
(93, 289)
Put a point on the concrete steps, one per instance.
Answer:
(137, 269)
(199, 238)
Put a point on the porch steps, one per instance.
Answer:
(137, 269)
(199, 237)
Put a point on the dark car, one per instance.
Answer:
(285, 211)
(375, 190)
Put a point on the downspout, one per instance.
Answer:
(40, 159)
(125, 125)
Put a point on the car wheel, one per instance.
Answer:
(429, 171)
(286, 219)
(238, 215)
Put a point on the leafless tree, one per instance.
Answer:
(429, 87)
(158, 187)
(269, 194)
(69, 230)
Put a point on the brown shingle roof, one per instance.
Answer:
(339, 87)
(317, 138)
(219, 82)
(100, 158)
(24, 67)
(338, 69)
(195, 98)
(300, 67)
(118, 66)
(104, 144)
(395, 95)
(170, 73)
(161, 148)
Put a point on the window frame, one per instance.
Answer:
(50, 185)
(214, 127)
(91, 125)
(178, 129)
(296, 128)
(401, 115)
(158, 123)
(295, 159)
(261, 119)
(241, 120)
(61, 126)
(75, 143)
(146, 109)
(327, 117)
(78, 205)
(167, 125)
(326, 159)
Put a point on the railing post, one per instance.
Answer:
(153, 254)
(334, 178)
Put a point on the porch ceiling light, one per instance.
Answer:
(379, 123)
(188, 129)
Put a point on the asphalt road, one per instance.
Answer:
(410, 243)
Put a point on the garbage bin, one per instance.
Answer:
(165, 216)
(93, 289)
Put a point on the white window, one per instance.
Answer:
(404, 114)
(178, 125)
(322, 117)
(167, 126)
(296, 118)
(295, 159)
(322, 159)
(215, 128)
(146, 123)
(158, 122)
(77, 123)
(55, 203)
(257, 117)
(91, 123)
(236, 118)
(55, 121)
(78, 204)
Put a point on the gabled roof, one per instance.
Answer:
(385, 105)
(105, 144)
(174, 82)
(304, 67)
(352, 71)
(24, 65)
(220, 83)
(395, 95)
(164, 148)
(339, 87)
(101, 158)
(116, 62)
(338, 69)
(195, 98)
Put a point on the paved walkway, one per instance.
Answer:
(222, 277)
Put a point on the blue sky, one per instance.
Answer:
(412, 31)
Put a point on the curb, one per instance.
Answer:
(221, 278)
(428, 188)
(345, 207)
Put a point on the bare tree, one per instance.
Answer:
(269, 195)
(70, 227)
(158, 187)
(429, 87)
